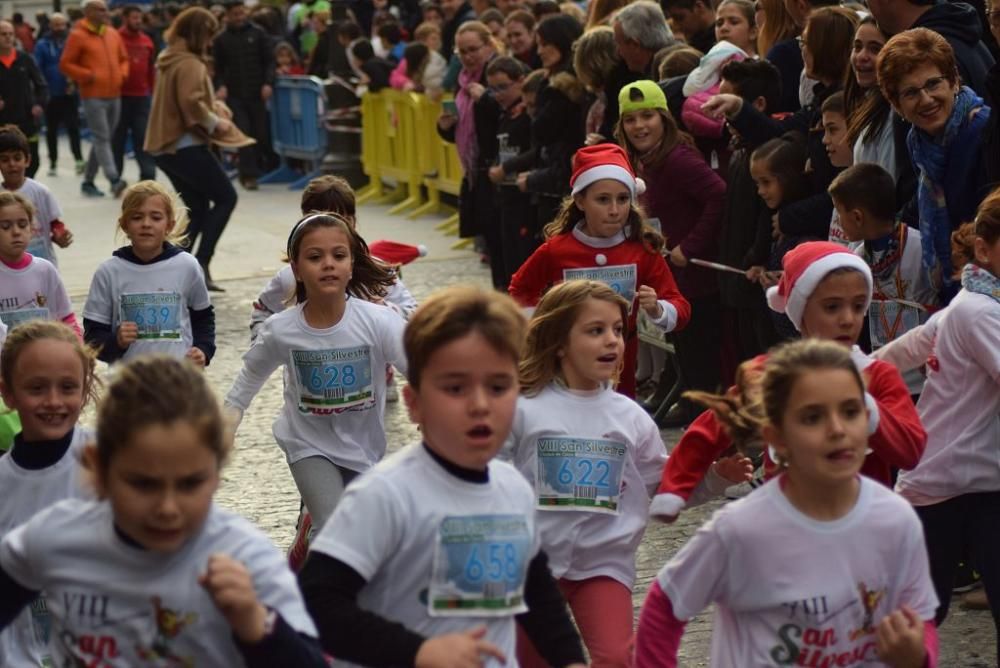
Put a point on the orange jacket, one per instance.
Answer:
(95, 59)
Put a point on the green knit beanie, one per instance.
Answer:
(641, 95)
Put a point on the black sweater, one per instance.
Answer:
(244, 61)
(21, 87)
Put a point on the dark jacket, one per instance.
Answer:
(557, 131)
(21, 87)
(464, 13)
(787, 57)
(991, 139)
(378, 71)
(620, 77)
(704, 40)
(244, 61)
(959, 23)
(48, 50)
(740, 243)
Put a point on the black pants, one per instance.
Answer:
(133, 119)
(965, 525)
(518, 234)
(697, 347)
(250, 116)
(210, 197)
(63, 110)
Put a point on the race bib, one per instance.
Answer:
(14, 318)
(157, 314)
(333, 379)
(579, 474)
(620, 278)
(887, 320)
(480, 562)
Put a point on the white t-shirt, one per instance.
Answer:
(881, 150)
(155, 296)
(960, 405)
(26, 492)
(439, 554)
(118, 606)
(34, 292)
(789, 589)
(592, 459)
(335, 388)
(46, 210)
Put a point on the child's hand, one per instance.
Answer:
(457, 650)
(128, 332)
(770, 278)
(677, 257)
(735, 468)
(229, 584)
(593, 138)
(755, 273)
(522, 182)
(649, 302)
(447, 121)
(496, 173)
(63, 240)
(722, 105)
(900, 639)
(197, 355)
(475, 91)
(775, 227)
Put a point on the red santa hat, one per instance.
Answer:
(604, 161)
(804, 267)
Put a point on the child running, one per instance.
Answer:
(433, 553)
(335, 345)
(599, 235)
(826, 290)
(30, 287)
(792, 569)
(154, 573)
(150, 296)
(46, 377)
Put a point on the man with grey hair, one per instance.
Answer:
(640, 31)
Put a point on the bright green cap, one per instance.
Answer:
(641, 95)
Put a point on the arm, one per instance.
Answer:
(911, 349)
(284, 646)
(756, 127)
(13, 598)
(521, 162)
(267, 62)
(203, 331)
(658, 637)
(258, 364)
(900, 438)
(531, 279)
(100, 336)
(73, 324)
(38, 84)
(547, 621)
(676, 309)
(392, 339)
(688, 463)
(68, 64)
(698, 180)
(122, 62)
(219, 61)
(398, 78)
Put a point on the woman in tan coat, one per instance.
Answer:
(185, 121)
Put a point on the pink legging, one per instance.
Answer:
(602, 609)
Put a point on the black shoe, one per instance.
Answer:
(211, 285)
(676, 417)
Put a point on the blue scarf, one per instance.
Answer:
(932, 157)
(977, 279)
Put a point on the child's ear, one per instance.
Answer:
(773, 437)
(6, 394)
(410, 397)
(980, 249)
(760, 104)
(578, 200)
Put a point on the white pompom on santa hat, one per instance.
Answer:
(604, 161)
(805, 266)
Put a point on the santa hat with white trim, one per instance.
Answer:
(604, 161)
(805, 266)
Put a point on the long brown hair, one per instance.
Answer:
(866, 109)
(740, 409)
(778, 26)
(197, 27)
(637, 230)
(672, 136)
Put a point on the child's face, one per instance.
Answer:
(731, 25)
(505, 91)
(768, 186)
(835, 311)
(823, 433)
(835, 140)
(643, 129)
(520, 40)
(148, 226)
(283, 58)
(15, 232)
(160, 485)
(606, 205)
(324, 262)
(851, 220)
(466, 401)
(47, 390)
(13, 166)
(433, 41)
(988, 255)
(595, 347)
(868, 41)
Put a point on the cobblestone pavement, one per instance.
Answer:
(258, 485)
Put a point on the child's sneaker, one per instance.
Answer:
(118, 187)
(90, 190)
(740, 490)
(300, 546)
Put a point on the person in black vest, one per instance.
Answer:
(23, 91)
(244, 73)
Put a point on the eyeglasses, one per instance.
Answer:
(468, 52)
(502, 88)
(931, 86)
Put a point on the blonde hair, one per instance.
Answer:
(482, 31)
(549, 329)
(425, 30)
(452, 313)
(24, 335)
(8, 198)
(137, 194)
(595, 56)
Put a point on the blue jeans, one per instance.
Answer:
(102, 118)
(207, 192)
(134, 118)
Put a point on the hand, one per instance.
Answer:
(457, 650)
(496, 173)
(408, 86)
(770, 278)
(230, 586)
(721, 105)
(775, 226)
(755, 273)
(735, 468)
(128, 333)
(677, 257)
(63, 240)
(522, 182)
(2, 104)
(447, 121)
(593, 138)
(649, 302)
(475, 91)
(221, 93)
(37, 111)
(222, 110)
(900, 638)
(223, 126)
(266, 92)
(197, 355)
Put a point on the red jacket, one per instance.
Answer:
(141, 63)
(898, 442)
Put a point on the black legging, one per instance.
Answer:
(210, 197)
(63, 110)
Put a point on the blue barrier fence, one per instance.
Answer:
(298, 129)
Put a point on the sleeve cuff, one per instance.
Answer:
(668, 319)
(666, 506)
(874, 417)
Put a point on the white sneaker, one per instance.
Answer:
(740, 490)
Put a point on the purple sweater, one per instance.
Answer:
(688, 198)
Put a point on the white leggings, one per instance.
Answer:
(321, 484)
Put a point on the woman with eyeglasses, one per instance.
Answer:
(918, 74)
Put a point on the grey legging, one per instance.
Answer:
(321, 484)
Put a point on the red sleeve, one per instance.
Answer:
(701, 183)
(57, 228)
(689, 461)
(662, 280)
(529, 282)
(71, 321)
(900, 438)
(931, 644)
(659, 636)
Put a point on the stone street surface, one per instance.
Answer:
(257, 482)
